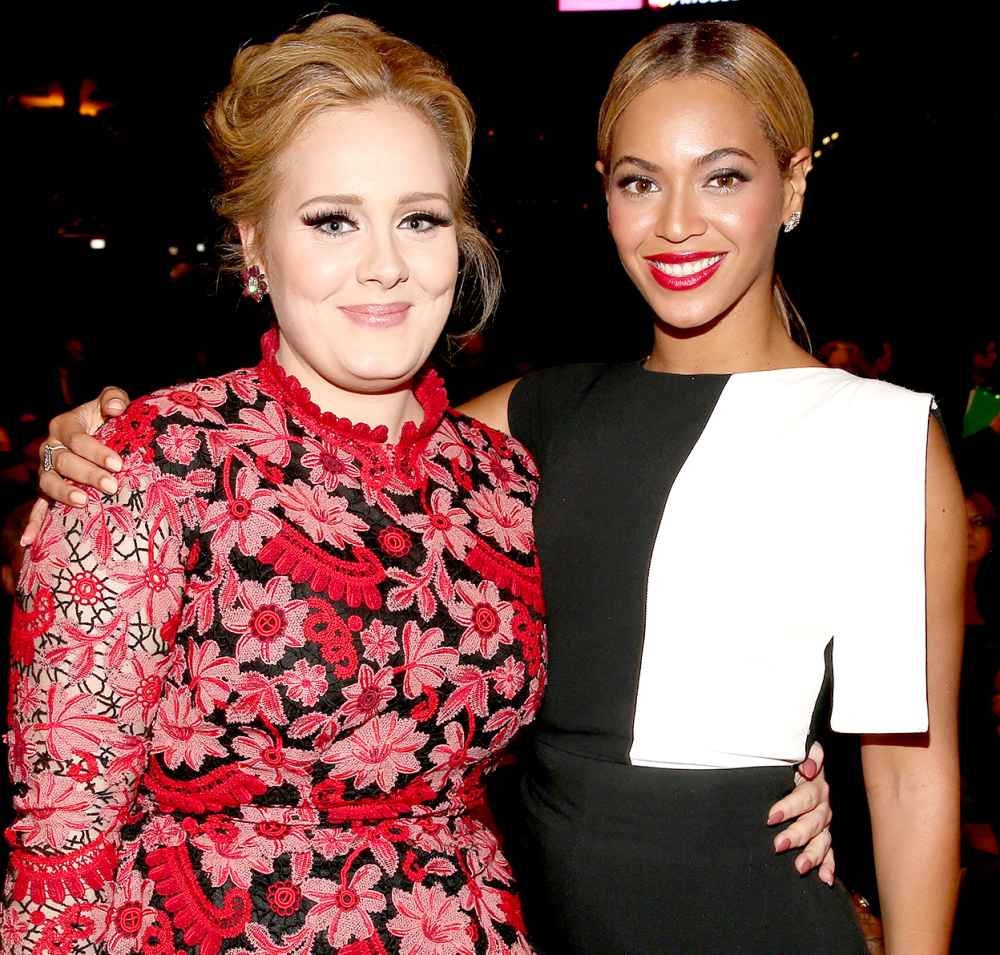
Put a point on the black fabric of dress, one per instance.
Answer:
(616, 858)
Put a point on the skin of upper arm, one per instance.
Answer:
(887, 757)
(912, 779)
(491, 407)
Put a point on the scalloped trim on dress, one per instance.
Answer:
(429, 392)
(202, 923)
(223, 787)
(521, 581)
(39, 877)
(354, 581)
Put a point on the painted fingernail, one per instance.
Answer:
(77, 497)
(776, 816)
(113, 464)
(24, 540)
(116, 405)
(783, 845)
(827, 879)
(803, 865)
(110, 485)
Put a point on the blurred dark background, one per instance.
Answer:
(883, 254)
(109, 266)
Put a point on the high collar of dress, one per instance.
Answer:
(428, 389)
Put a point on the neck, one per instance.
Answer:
(750, 336)
(392, 407)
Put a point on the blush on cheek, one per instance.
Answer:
(313, 274)
(435, 267)
(631, 224)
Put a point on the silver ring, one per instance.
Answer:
(49, 453)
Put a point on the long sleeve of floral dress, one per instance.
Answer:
(90, 646)
(256, 692)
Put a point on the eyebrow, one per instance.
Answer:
(348, 199)
(714, 156)
(636, 161)
(341, 200)
(422, 197)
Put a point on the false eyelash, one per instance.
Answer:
(729, 174)
(322, 216)
(432, 217)
(626, 181)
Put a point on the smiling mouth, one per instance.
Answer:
(687, 273)
(382, 315)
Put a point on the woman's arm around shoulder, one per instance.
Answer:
(491, 406)
(78, 457)
(912, 779)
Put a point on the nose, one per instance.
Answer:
(382, 264)
(681, 216)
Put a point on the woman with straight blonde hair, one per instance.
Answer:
(690, 601)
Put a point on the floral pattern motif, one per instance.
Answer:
(256, 691)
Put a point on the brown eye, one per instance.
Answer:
(638, 186)
(727, 180)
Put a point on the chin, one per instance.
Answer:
(379, 372)
(687, 318)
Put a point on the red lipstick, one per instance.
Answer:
(383, 315)
(687, 279)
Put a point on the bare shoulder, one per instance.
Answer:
(491, 407)
(945, 501)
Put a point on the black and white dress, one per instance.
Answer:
(692, 589)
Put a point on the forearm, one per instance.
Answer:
(916, 837)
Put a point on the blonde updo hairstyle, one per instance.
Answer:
(276, 88)
(748, 61)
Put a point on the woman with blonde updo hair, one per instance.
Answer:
(689, 603)
(277, 88)
(259, 679)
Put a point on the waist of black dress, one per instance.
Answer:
(640, 799)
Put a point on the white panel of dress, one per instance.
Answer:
(798, 517)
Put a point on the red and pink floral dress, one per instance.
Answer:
(255, 692)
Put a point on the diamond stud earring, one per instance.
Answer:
(792, 221)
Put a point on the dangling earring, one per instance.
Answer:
(792, 221)
(254, 283)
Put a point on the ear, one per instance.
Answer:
(248, 239)
(799, 166)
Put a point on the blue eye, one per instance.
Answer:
(331, 223)
(420, 222)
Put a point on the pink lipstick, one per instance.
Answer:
(377, 316)
(681, 271)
